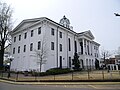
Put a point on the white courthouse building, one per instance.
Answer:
(59, 40)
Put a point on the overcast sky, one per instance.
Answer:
(95, 15)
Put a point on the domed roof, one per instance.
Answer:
(65, 22)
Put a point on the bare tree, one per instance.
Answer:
(105, 54)
(42, 53)
(118, 51)
(5, 27)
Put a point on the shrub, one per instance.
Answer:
(53, 71)
(56, 71)
(26, 73)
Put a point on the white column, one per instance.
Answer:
(116, 67)
(91, 48)
(86, 47)
(83, 47)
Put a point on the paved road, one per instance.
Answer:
(6, 86)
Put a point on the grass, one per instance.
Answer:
(82, 75)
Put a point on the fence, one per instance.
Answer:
(81, 75)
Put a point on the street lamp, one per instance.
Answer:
(10, 58)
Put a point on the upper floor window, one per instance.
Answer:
(19, 37)
(60, 47)
(18, 49)
(24, 50)
(39, 30)
(95, 54)
(75, 46)
(31, 47)
(52, 31)
(25, 35)
(14, 39)
(69, 44)
(60, 33)
(31, 33)
(96, 48)
(52, 45)
(13, 50)
(39, 45)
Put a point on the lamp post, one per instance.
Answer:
(10, 58)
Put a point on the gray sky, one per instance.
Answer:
(95, 15)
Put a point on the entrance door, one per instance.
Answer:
(60, 61)
(82, 64)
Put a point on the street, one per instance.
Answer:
(6, 86)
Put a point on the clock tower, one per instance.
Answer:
(65, 22)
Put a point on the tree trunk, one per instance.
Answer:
(1, 57)
(40, 66)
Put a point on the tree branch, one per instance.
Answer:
(7, 46)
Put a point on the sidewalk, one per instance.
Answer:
(60, 83)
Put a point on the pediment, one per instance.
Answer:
(89, 34)
(26, 23)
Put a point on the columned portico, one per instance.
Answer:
(87, 54)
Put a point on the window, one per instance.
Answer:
(60, 47)
(69, 44)
(24, 50)
(75, 46)
(52, 45)
(90, 62)
(13, 50)
(31, 47)
(25, 35)
(39, 45)
(14, 39)
(96, 48)
(86, 62)
(88, 49)
(18, 49)
(95, 54)
(19, 37)
(39, 30)
(60, 61)
(31, 33)
(52, 31)
(60, 33)
(81, 44)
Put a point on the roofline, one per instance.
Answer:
(96, 43)
(35, 19)
(61, 25)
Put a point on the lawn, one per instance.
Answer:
(82, 75)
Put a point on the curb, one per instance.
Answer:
(60, 83)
